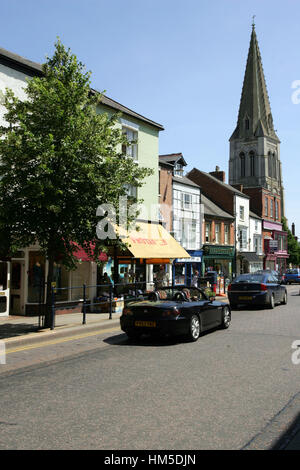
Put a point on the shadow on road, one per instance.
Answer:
(291, 436)
(154, 340)
(10, 330)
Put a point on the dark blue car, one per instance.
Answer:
(257, 289)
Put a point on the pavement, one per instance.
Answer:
(20, 331)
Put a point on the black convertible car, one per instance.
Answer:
(259, 288)
(175, 311)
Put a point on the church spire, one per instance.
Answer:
(255, 117)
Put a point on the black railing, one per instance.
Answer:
(109, 298)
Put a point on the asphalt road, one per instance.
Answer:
(232, 389)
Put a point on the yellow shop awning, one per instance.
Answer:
(151, 241)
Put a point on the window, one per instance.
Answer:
(243, 238)
(217, 233)
(178, 169)
(274, 166)
(256, 225)
(187, 200)
(270, 165)
(226, 234)
(266, 206)
(276, 210)
(242, 212)
(252, 163)
(131, 149)
(242, 160)
(258, 245)
(207, 231)
(271, 208)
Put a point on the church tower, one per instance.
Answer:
(254, 146)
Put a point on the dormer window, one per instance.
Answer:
(247, 124)
(178, 169)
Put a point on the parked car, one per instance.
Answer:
(292, 276)
(175, 311)
(260, 288)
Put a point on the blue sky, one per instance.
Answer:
(179, 63)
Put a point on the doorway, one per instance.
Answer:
(17, 288)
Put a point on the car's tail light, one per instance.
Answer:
(229, 288)
(171, 313)
(127, 311)
(263, 287)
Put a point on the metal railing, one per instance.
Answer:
(109, 298)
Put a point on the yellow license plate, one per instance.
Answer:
(150, 324)
(245, 297)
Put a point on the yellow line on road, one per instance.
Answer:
(62, 340)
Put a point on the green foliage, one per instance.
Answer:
(293, 245)
(59, 160)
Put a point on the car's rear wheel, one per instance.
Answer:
(226, 317)
(272, 301)
(284, 300)
(194, 328)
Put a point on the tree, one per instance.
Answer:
(59, 160)
(293, 245)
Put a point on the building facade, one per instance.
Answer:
(22, 280)
(183, 215)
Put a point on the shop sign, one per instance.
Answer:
(192, 259)
(218, 250)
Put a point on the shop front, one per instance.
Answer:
(219, 259)
(275, 247)
(23, 281)
(149, 256)
(185, 268)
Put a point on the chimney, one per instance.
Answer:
(293, 229)
(239, 187)
(220, 175)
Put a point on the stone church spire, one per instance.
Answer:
(254, 146)
(254, 117)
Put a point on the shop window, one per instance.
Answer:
(36, 277)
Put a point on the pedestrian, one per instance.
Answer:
(162, 278)
(195, 279)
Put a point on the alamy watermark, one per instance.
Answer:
(296, 354)
(114, 222)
